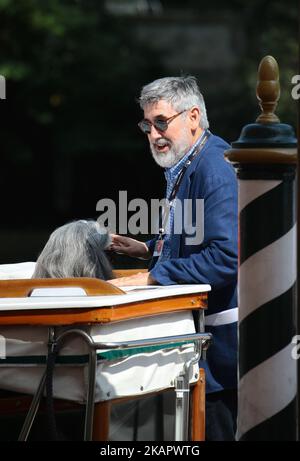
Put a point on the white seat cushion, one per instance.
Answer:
(17, 270)
(138, 374)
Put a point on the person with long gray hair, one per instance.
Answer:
(176, 125)
(76, 249)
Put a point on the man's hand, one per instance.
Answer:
(142, 278)
(129, 246)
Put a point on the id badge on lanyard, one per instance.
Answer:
(159, 244)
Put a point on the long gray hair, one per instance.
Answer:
(75, 250)
(182, 92)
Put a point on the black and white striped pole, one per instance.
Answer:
(265, 156)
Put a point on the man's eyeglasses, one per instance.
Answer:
(159, 124)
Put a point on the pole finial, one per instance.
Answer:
(268, 90)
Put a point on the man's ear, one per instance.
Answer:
(194, 117)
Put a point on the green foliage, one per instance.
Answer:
(71, 67)
(73, 72)
(272, 28)
(67, 63)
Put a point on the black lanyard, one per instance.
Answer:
(193, 154)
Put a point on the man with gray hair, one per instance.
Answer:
(176, 125)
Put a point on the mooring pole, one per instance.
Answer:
(265, 157)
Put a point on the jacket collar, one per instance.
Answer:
(192, 167)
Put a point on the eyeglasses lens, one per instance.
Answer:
(160, 125)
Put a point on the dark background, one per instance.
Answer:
(74, 69)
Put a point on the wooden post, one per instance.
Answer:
(101, 421)
(198, 408)
(265, 157)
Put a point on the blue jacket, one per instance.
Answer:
(215, 260)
